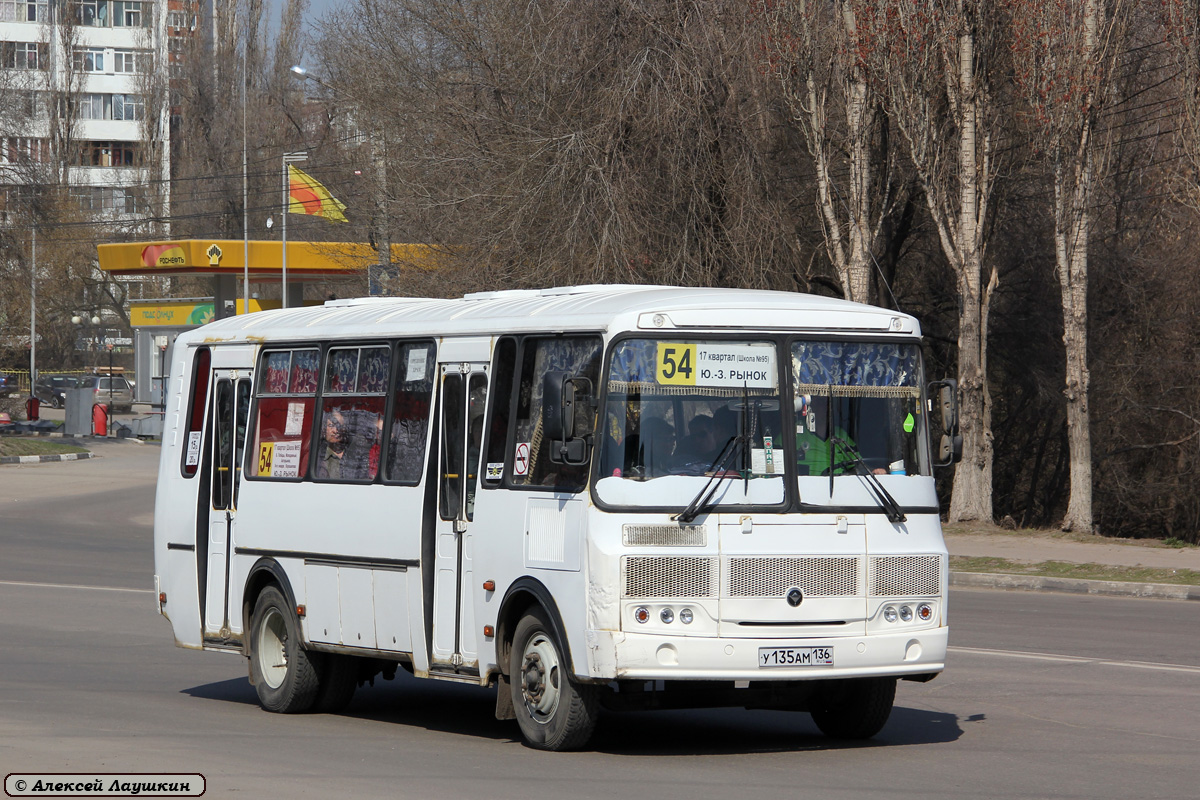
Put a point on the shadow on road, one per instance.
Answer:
(469, 711)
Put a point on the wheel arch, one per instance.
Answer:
(265, 572)
(523, 594)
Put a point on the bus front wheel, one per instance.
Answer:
(553, 711)
(284, 676)
(856, 709)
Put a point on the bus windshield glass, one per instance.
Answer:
(680, 412)
(857, 401)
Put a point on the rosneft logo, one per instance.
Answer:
(164, 255)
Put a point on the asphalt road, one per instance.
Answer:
(1045, 695)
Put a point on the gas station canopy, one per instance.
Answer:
(224, 257)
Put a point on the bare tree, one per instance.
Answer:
(623, 140)
(1064, 54)
(936, 63)
(818, 51)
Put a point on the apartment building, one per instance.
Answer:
(84, 100)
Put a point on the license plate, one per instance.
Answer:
(795, 656)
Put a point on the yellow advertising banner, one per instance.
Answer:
(183, 315)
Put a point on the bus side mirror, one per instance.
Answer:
(561, 397)
(945, 395)
(949, 450)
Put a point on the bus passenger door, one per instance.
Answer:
(463, 395)
(228, 415)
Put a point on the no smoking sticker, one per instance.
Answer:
(521, 459)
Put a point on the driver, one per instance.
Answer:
(812, 439)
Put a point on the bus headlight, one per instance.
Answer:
(642, 614)
(889, 613)
(925, 612)
(685, 616)
(906, 614)
(667, 616)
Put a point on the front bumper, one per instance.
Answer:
(614, 655)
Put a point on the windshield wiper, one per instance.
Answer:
(888, 503)
(703, 499)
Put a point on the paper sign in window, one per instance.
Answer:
(285, 460)
(295, 419)
(415, 371)
(193, 449)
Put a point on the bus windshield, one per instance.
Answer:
(679, 412)
(857, 401)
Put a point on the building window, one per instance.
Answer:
(128, 107)
(22, 10)
(23, 55)
(130, 14)
(113, 199)
(93, 106)
(92, 13)
(132, 61)
(23, 149)
(89, 60)
(108, 154)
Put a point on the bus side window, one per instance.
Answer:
(504, 369)
(195, 412)
(575, 355)
(413, 395)
(352, 401)
(287, 393)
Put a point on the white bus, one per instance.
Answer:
(618, 497)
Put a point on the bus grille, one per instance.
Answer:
(905, 576)
(670, 576)
(772, 577)
(664, 536)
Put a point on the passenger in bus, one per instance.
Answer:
(656, 446)
(332, 447)
(699, 447)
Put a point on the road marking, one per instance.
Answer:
(76, 586)
(1104, 662)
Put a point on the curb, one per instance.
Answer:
(45, 459)
(1035, 583)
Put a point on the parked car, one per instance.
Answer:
(120, 395)
(49, 389)
(8, 385)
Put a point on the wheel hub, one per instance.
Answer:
(540, 677)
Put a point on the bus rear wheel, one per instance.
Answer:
(553, 711)
(856, 708)
(284, 676)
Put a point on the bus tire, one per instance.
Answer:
(339, 679)
(284, 676)
(553, 711)
(857, 710)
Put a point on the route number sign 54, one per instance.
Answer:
(725, 364)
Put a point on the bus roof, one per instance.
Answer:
(569, 308)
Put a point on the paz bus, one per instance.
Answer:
(591, 497)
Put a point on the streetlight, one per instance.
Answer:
(288, 158)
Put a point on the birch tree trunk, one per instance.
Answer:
(815, 50)
(934, 61)
(1064, 54)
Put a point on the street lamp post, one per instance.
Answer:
(108, 417)
(288, 158)
(33, 311)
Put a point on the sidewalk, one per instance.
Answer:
(1035, 548)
